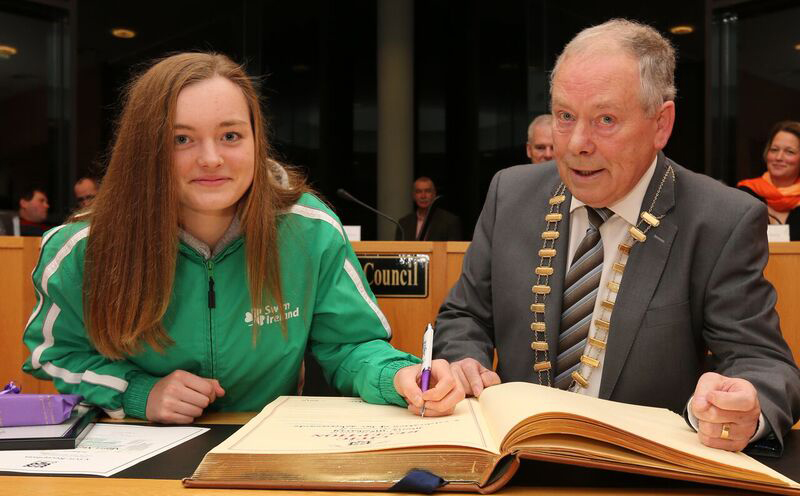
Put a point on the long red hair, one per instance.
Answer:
(133, 243)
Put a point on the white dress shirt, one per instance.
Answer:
(613, 232)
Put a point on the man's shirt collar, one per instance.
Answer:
(630, 205)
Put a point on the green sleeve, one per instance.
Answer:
(57, 339)
(349, 334)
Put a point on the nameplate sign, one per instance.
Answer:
(396, 276)
(778, 233)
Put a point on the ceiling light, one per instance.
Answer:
(6, 51)
(682, 29)
(123, 33)
(797, 47)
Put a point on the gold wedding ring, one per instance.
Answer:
(726, 431)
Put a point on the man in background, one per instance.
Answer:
(33, 207)
(428, 222)
(85, 191)
(540, 139)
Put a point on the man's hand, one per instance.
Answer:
(473, 376)
(181, 397)
(443, 396)
(727, 411)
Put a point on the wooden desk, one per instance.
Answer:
(81, 486)
(783, 271)
(23, 485)
(409, 316)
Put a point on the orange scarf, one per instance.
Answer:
(779, 199)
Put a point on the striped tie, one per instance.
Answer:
(581, 285)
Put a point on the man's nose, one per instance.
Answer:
(580, 140)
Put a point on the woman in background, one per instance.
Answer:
(779, 187)
(203, 269)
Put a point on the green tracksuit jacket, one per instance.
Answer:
(327, 303)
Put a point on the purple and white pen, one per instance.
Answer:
(427, 356)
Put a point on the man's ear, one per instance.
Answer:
(665, 119)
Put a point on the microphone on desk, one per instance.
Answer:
(424, 231)
(347, 196)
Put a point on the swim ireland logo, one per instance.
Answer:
(270, 314)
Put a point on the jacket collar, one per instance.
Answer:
(233, 232)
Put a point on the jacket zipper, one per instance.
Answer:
(212, 304)
(212, 296)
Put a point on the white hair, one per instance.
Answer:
(539, 120)
(654, 53)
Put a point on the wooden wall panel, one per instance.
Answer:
(410, 316)
(783, 271)
(18, 256)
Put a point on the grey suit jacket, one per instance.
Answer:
(696, 284)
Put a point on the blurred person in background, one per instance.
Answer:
(540, 139)
(33, 207)
(85, 191)
(428, 222)
(779, 186)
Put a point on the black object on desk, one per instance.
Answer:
(182, 460)
(39, 437)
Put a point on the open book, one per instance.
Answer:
(344, 443)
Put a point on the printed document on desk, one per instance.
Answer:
(106, 450)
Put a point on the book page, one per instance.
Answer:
(508, 404)
(309, 424)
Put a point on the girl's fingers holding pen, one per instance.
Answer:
(405, 383)
(444, 383)
(447, 404)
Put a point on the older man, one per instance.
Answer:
(539, 147)
(614, 270)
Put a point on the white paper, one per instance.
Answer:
(353, 232)
(106, 450)
(778, 233)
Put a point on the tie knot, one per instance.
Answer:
(598, 215)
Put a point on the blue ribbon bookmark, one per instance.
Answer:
(418, 481)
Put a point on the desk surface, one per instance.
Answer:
(70, 486)
(161, 474)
